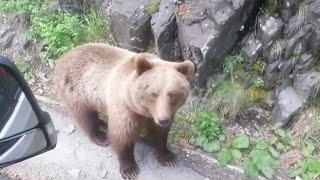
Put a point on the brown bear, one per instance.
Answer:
(135, 91)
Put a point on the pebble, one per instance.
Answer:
(74, 173)
(104, 173)
(70, 129)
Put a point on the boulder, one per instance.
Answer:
(251, 50)
(269, 29)
(304, 63)
(207, 31)
(288, 102)
(290, 98)
(286, 68)
(275, 52)
(287, 9)
(164, 28)
(306, 85)
(271, 74)
(292, 43)
(130, 24)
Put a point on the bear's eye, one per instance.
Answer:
(171, 94)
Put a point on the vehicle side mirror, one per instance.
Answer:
(25, 129)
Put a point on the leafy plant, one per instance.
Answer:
(308, 169)
(241, 142)
(233, 153)
(260, 161)
(225, 156)
(209, 132)
(60, 32)
(25, 7)
(282, 141)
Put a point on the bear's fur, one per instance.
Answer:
(133, 90)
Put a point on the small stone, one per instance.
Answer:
(74, 173)
(109, 155)
(70, 129)
(104, 173)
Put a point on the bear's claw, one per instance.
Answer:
(169, 159)
(130, 172)
(104, 143)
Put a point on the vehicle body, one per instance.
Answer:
(25, 129)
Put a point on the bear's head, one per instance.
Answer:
(162, 87)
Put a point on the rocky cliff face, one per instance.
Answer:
(288, 41)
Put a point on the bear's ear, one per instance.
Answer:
(142, 64)
(186, 68)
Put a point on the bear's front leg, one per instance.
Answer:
(123, 130)
(159, 136)
(128, 166)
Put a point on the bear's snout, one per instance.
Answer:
(164, 121)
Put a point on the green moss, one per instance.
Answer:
(317, 64)
(258, 67)
(257, 95)
(271, 6)
(154, 7)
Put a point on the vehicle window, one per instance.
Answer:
(5, 103)
(11, 83)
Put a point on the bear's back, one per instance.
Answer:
(79, 73)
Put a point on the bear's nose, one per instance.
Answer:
(164, 121)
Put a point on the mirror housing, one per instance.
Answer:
(39, 133)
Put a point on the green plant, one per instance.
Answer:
(26, 71)
(25, 7)
(209, 132)
(154, 7)
(307, 169)
(232, 64)
(282, 141)
(228, 99)
(233, 153)
(271, 6)
(96, 29)
(60, 32)
(259, 83)
(256, 94)
(260, 161)
(264, 157)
